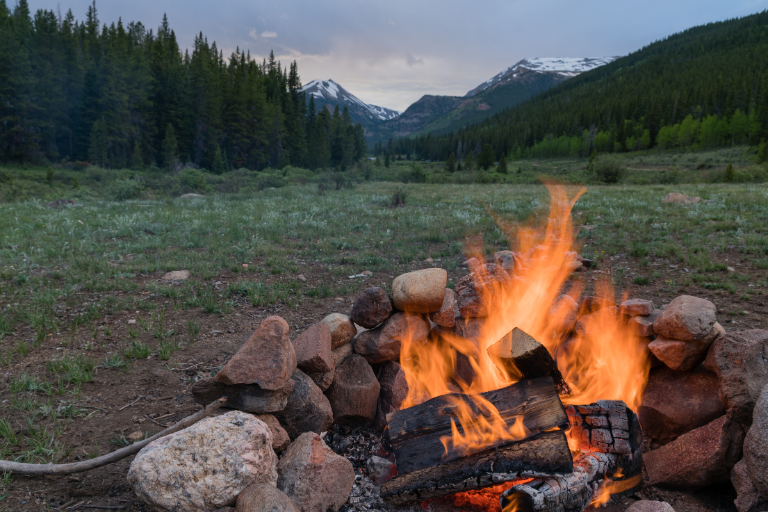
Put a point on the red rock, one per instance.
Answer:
(446, 315)
(383, 343)
(748, 499)
(264, 498)
(342, 329)
(354, 393)
(591, 304)
(686, 318)
(280, 439)
(675, 403)
(322, 380)
(563, 314)
(643, 325)
(372, 307)
(634, 307)
(475, 291)
(244, 397)
(740, 361)
(394, 390)
(308, 409)
(698, 458)
(267, 358)
(313, 349)
(756, 445)
(313, 476)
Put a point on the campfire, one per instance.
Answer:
(536, 399)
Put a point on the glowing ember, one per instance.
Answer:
(603, 361)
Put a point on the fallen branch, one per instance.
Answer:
(21, 468)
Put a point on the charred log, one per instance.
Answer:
(427, 468)
(415, 433)
(521, 356)
(547, 453)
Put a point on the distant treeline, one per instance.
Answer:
(705, 87)
(123, 96)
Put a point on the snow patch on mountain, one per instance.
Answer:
(331, 92)
(565, 66)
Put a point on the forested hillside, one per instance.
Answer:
(121, 95)
(705, 87)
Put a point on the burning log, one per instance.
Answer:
(520, 355)
(431, 463)
(609, 434)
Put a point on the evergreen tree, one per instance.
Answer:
(762, 152)
(98, 150)
(486, 158)
(219, 161)
(386, 159)
(729, 173)
(502, 168)
(170, 147)
(137, 162)
(450, 164)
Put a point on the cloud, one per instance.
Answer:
(411, 61)
(269, 34)
(253, 33)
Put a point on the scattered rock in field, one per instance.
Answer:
(191, 196)
(301, 278)
(205, 466)
(674, 403)
(574, 266)
(505, 259)
(446, 315)
(342, 329)
(470, 263)
(698, 458)
(429, 260)
(354, 393)
(394, 389)
(643, 325)
(372, 307)
(747, 497)
(563, 314)
(383, 343)
(366, 273)
(280, 439)
(686, 318)
(730, 270)
(380, 470)
(421, 291)
(131, 321)
(136, 436)
(323, 380)
(267, 358)
(177, 275)
(634, 307)
(308, 409)
(313, 477)
(683, 355)
(475, 291)
(650, 506)
(339, 353)
(313, 349)
(244, 397)
(756, 445)
(264, 498)
(740, 364)
(678, 198)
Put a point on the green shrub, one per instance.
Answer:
(606, 168)
(123, 190)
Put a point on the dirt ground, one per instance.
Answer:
(154, 393)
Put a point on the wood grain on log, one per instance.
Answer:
(547, 453)
(415, 433)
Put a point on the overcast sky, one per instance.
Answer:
(391, 52)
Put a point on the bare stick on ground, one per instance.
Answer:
(20, 468)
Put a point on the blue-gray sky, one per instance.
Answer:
(392, 52)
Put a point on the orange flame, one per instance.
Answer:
(611, 487)
(483, 426)
(604, 360)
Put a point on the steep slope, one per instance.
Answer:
(329, 93)
(514, 85)
(715, 73)
(425, 110)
